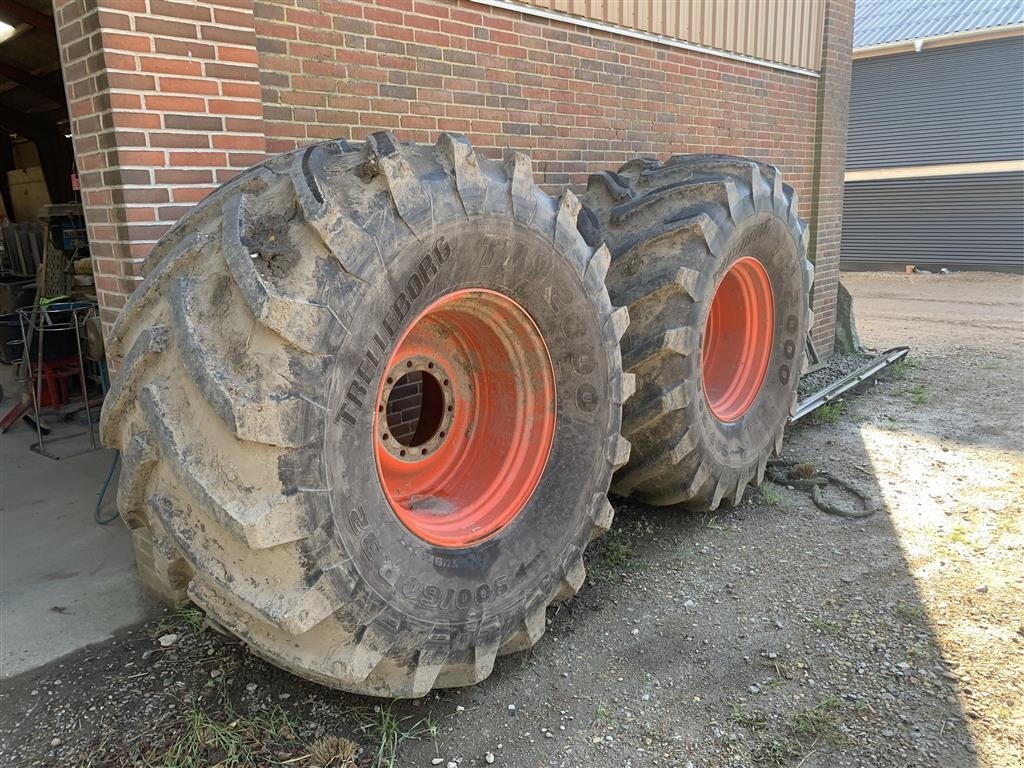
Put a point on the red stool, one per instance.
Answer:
(56, 384)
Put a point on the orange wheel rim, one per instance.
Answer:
(738, 338)
(465, 418)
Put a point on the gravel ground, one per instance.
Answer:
(766, 635)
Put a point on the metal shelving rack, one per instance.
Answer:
(38, 320)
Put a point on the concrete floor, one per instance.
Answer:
(65, 582)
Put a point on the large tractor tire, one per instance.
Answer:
(371, 397)
(708, 253)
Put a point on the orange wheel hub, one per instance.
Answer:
(465, 418)
(738, 339)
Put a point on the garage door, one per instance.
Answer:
(960, 222)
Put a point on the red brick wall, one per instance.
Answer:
(578, 100)
(170, 98)
(830, 165)
(165, 105)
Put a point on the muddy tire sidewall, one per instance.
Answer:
(769, 240)
(522, 562)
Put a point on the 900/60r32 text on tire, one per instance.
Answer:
(708, 253)
(252, 363)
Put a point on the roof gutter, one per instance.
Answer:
(938, 41)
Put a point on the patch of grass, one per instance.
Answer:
(186, 618)
(829, 413)
(821, 624)
(388, 731)
(774, 752)
(233, 740)
(819, 720)
(614, 552)
(899, 370)
(909, 613)
(740, 715)
(780, 742)
(959, 535)
(768, 494)
(918, 394)
(334, 752)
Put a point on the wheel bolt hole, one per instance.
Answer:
(401, 453)
(408, 363)
(430, 365)
(384, 436)
(424, 452)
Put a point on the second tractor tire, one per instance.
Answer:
(709, 254)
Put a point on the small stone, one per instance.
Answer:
(488, 757)
(511, 707)
(452, 764)
(215, 673)
(437, 761)
(754, 689)
(284, 696)
(460, 708)
(168, 640)
(981, 589)
(689, 604)
(55, 742)
(548, 735)
(635, 632)
(251, 687)
(888, 733)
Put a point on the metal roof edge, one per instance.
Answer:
(939, 41)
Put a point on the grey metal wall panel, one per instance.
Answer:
(958, 104)
(960, 222)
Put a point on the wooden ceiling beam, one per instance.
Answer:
(33, 82)
(12, 10)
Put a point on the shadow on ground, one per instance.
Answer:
(771, 634)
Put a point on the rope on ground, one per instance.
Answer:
(97, 514)
(807, 478)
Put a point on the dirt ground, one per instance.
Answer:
(771, 634)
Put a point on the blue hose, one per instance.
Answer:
(103, 492)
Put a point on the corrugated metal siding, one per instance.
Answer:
(961, 222)
(783, 31)
(958, 104)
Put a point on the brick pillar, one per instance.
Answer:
(830, 166)
(165, 105)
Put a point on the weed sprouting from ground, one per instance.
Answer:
(829, 413)
(821, 624)
(778, 742)
(768, 494)
(186, 618)
(614, 552)
(918, 394)
(232, 740)
(819, 720)
(909, 613)
(740, 715)
(334, 752)
(899, 370)
(388, 731)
